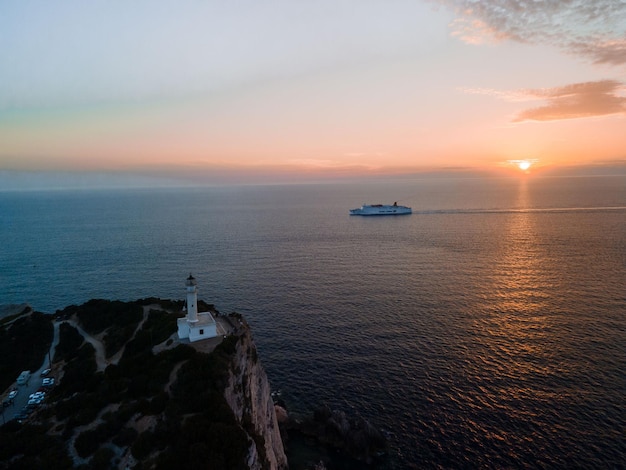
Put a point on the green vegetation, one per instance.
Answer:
(119, 319)
(160, 326)
(205, 307)
(69, 342)
(185, 418)
(102, 459)
(99, 315)
(29, 447)
(165, 304)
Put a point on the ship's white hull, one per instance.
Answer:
(381, 209)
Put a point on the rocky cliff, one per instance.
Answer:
(248, 395)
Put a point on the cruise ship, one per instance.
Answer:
(381, 209)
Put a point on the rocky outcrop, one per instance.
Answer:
(248, 395)
(355, 436)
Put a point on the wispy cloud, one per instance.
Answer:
(577, 100)
(507, 95)
(318, 163)
(594, 29)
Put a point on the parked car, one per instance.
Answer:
(13, 393)
(48, 382)
(36, 398)
(45, 372)
(23, 377)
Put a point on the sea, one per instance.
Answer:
(485, 330)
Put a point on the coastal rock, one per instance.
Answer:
(281, 414)
(355, 436)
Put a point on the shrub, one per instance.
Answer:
(125, 437)
(102, 459)
(120, 319)
(98, 314)
(80, 373)
(29, 446)
(69, 342)
(158, 403)
(143, 445)
(160, 325)
(86, 443)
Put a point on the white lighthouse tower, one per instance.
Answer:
(192, 299)
(195, 325)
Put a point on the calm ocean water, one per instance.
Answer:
(488, 329)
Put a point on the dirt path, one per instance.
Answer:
(146, 310)
(101, 361)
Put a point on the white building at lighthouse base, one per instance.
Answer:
(203, 328)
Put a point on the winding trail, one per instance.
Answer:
(146, 310)
(102, 364)
(101, 359)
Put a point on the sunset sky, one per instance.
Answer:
(213, 92)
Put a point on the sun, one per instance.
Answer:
(523, 165)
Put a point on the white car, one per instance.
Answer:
(13, 394)
(48, 382)
(44, 372)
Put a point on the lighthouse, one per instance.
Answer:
(192, 299)
(195, 326)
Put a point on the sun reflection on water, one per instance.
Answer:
(513, 331)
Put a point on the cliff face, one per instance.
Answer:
(248, 395)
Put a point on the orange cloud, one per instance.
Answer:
(577, 100)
